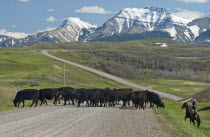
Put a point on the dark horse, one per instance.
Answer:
(191, 115)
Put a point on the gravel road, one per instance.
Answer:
(70, 121)
(112, 77)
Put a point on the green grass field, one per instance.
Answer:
(181, 88)
(174, 115)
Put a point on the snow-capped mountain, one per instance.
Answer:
(72, 29)
(3, 38)
(134, 20)
(127, 21)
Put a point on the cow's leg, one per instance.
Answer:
(55, 100)
(113, 104)
(87, 103)
(32, 103)
(36, 102)
(143, 106)
(46, 102)
(78, 103)
(23, 103)
(41, 102)
(69, 101)
(73, 102)
(123, 104)
(18, 103)
(65, 101)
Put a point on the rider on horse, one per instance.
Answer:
(194, 106)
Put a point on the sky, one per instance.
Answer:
(22, 17)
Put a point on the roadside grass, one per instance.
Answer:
(174, 120)
(31, 70)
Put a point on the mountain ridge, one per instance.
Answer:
(127, 21)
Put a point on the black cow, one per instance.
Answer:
(111, 96)
(93, 96)
(154, 98)
(68, 93)
(103, 99)
(81, 96)
(124, 95)
(26, 94)
(139, 99)
(48, 94)
(117, 95)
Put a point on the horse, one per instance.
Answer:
(191, 115)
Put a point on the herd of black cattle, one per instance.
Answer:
(92, 97)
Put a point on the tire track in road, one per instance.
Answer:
(71, 121)
(18, 126)
(68, 124)
(112, 77)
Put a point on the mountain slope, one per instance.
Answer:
(139, 36)
(134, 20)
(203, 37)
(72, 29)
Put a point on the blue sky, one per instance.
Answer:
(30, 16)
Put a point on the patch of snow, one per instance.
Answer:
(172, 31)
(64, 37)
(162, 44)
(50, 36)
(13, 43)
(179, 20)
(208, 40)
(181, 38)
(120, 23)
(78, 22)
(195, 30)
(186, 32)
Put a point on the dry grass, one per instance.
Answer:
(6, 96)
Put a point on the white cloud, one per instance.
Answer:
(14, 26)
(13, 34)
(187, 14)
(51, 10)
(47, 29)
(23, 0)
(93, 9)
(50, 19)
(194, 1)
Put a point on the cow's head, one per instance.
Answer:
(161, 104)
(15, 102)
